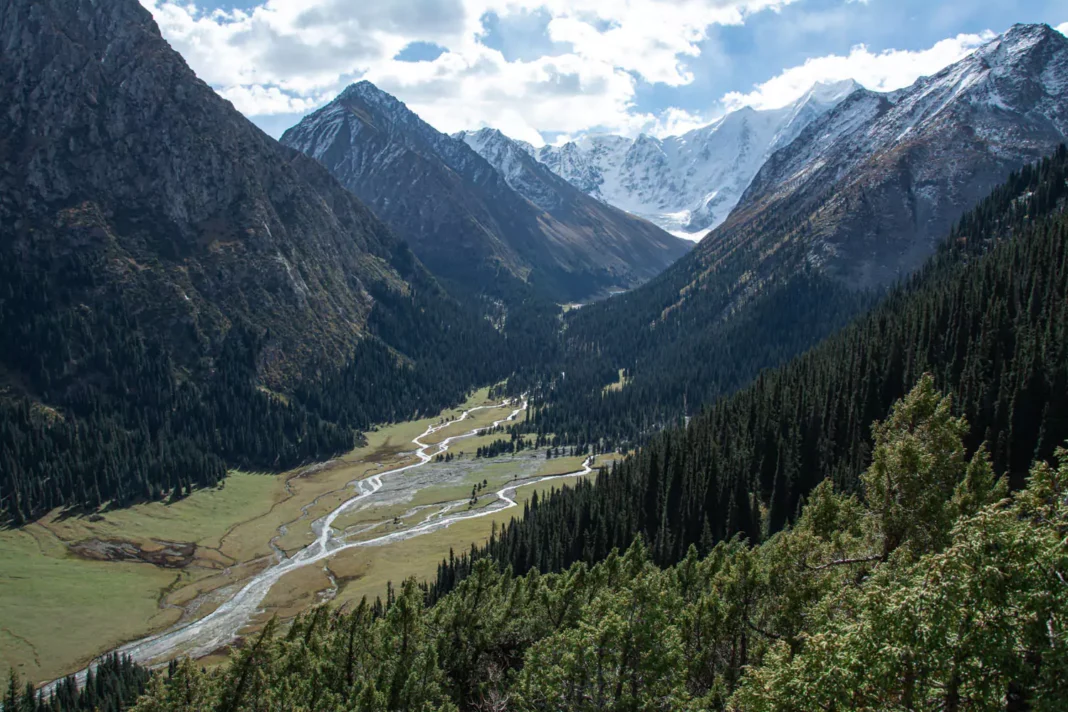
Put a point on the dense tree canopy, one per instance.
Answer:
(958, 604)
(111, 685)
(988, 318)
(93, 411)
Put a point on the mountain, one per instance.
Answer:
(198, 217)
(855, 203)
(176, 287)
(987, 317)
(910, 576)
(868, 189)
(615, 236)
(688, 184)
(465, 218)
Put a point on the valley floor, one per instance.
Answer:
(75, 587)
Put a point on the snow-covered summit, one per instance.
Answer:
(688, 184)
(876, 182)
(478, 209)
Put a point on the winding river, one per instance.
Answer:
(200, 637)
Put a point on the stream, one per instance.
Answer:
(220, 627)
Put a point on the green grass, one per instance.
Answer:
(478, 419)
(495, 471)
(203, 517)
(365, 571)
(59, 611)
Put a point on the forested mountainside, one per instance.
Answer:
(988, 317)
(870, 188)
(162, 302)
(858, 606)
(688, 183)
(464, 219)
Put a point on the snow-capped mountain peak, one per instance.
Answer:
(688, 184)
(879, 179)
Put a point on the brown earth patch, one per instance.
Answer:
(165, 554)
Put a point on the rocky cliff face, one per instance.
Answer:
(110, 146)
(462, 216)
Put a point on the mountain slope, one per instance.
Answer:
(201, 218)
(615, 236)
(869, 189)
(688, 183)
(832, 218)
(461, 216)
(987, 317)
(166, 269)
(926, 584)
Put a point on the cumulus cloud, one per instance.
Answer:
(265, 100)
(1062, 28)
(880, 71)
(285, 56)
(674, 122)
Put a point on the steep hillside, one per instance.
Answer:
(688, 184)
(113, 148)
(614, 236)
(987, 318)
(830, 220)
(166, 266)
(868, 190)
(953, 600)
(462, 216)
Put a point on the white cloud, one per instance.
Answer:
(675, 122)
(287, 56)
(882, 71)
(258, 100)
(1062, 28)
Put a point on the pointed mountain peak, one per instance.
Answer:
(1021, 32)
(485, 136)
(831, 92)
(487, 133)
(369, 94)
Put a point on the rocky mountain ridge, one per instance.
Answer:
(868, 189)
(462, 216)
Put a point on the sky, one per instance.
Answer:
(550, 70)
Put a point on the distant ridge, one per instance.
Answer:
(464, 215)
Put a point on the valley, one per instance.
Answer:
(263, 545)
(309, 423)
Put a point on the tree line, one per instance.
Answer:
(112, 684)
(882, 601)
(94, 411)
(988, 317)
